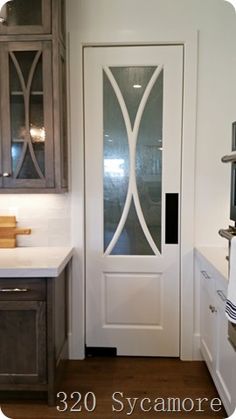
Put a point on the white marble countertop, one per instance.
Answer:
(22, 262)
(216, 257)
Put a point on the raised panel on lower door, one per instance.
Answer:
(22, 342)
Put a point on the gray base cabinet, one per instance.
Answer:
(33, 333)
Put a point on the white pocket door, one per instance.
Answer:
(133, 118)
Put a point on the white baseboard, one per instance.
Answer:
(75, 352)
(197, 356)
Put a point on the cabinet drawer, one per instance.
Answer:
(22, 289)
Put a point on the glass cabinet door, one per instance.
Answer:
(27, 126)
(62, 125)
(26, 17)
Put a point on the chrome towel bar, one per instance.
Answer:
(227, 233)
(230, 158)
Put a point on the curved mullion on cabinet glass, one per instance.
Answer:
(26, 102)
(26, 17)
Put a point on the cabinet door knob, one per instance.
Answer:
(212, 308)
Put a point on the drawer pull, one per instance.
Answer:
(14, 289)
(5, 174)
(221, 295)
(212, 308)
(205, 274)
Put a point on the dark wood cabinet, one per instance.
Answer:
(26, 17)
(27, 126)
(33, 333)
(33, 115)
(23, 329)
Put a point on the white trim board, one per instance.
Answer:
(188, 196)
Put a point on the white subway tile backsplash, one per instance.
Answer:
(47, 215)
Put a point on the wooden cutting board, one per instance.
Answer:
(9, 231)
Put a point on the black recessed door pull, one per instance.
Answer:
(172, 218)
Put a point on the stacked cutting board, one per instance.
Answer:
(9, 231)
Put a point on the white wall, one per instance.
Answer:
(123, 21)
(216, 111)
(143, 21)
(48, 216)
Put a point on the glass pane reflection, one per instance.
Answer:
(132, 240)
(27, 122)
(28, 170)
(116, 161)
(149, 161)
(21, 12)
(132, 82)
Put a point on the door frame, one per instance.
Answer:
(189, 337)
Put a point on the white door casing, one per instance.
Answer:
(132, 301)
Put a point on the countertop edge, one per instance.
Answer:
(65, 261)
(37, 270)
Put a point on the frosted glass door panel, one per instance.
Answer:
(132, 240)
(116, 162)
(132, 122)
(149, 161)
(132, 82)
